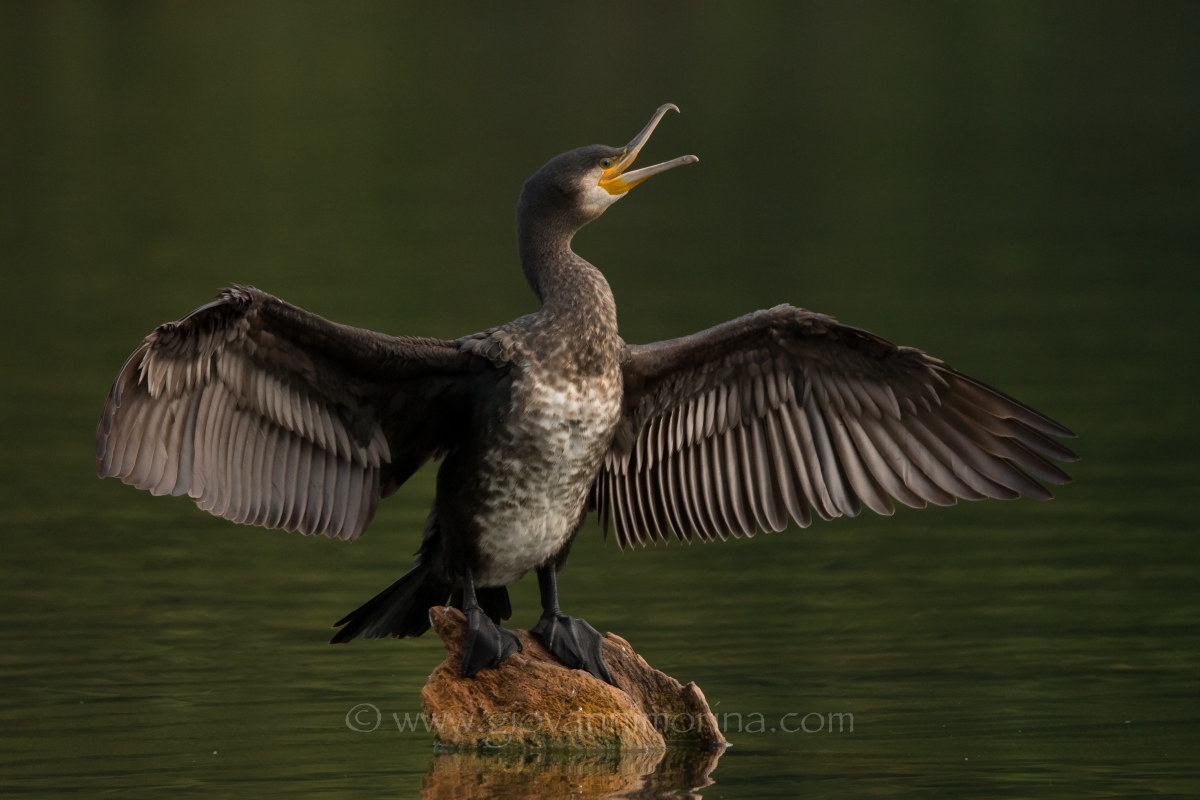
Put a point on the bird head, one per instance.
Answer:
(580, 184)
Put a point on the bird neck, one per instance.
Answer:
(566, 283)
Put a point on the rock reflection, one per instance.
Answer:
(674, 773)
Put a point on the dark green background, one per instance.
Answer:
(1012, 186)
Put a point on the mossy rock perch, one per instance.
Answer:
(533, 701)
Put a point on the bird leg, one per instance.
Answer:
(573, 641)
(487, 643)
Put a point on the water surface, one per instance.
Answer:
(1009, 186)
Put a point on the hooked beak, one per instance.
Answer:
(616, 181)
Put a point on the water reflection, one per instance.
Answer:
(675, 773)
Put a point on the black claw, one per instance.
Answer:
(487, 643)
(574, 642)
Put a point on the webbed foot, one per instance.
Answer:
(574, 642)
(487, 643)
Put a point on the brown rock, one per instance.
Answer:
(533, 701)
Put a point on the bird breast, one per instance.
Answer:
(538, 470)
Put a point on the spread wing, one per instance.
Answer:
(785, 413)
(266, 414)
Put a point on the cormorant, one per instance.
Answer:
(269, 415)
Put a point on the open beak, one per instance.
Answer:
(615, 180)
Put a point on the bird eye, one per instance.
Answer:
(606, 162)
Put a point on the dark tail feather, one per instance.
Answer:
(400, 610)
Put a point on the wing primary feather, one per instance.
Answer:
(772, 387)
(329, 493)
(244, 459)
(293, 447)
(1001, 453)
(867, 489)
(619, 503)
(679, 491)
(261, 472)
(808, 449)
(737, 478)
(357, 498)
(832, 471)
(760, 393)
(703, 520)
(691, 409)
(336, 524)
(290, 409)
(769, 492)
(944, 467)
(308, 425)
(600, 499)
(1037, 466)
(623, 534)
(813, 494)
(707, 491)
(674, 432)
(314, 491)
(603, 499)
(710, 413)
(634, 501)
(660, 441)
(200, 444)
(661, 469)
(721, 416)
(170, 437)
(251, 478)
(274, 464)
(344, 449)
(719, 485)
(1008, 439)
(642, 455)
(750, 482)
(906, 463)
(187, 445)
(881, 469)
(733, 406)
(990, 480)
(1004, 405)
(1040, 444)
(257, 471)
(882, 397)
(122, 455)
(652, 488)
(235, 467)
(219, 468)
(305, 455)
(370, 499)
(1009, 428)
(866, 402)
(204, 483)
(787, 478)
(644, 482)
(146, 458)
(624, 520)
(845, 401)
